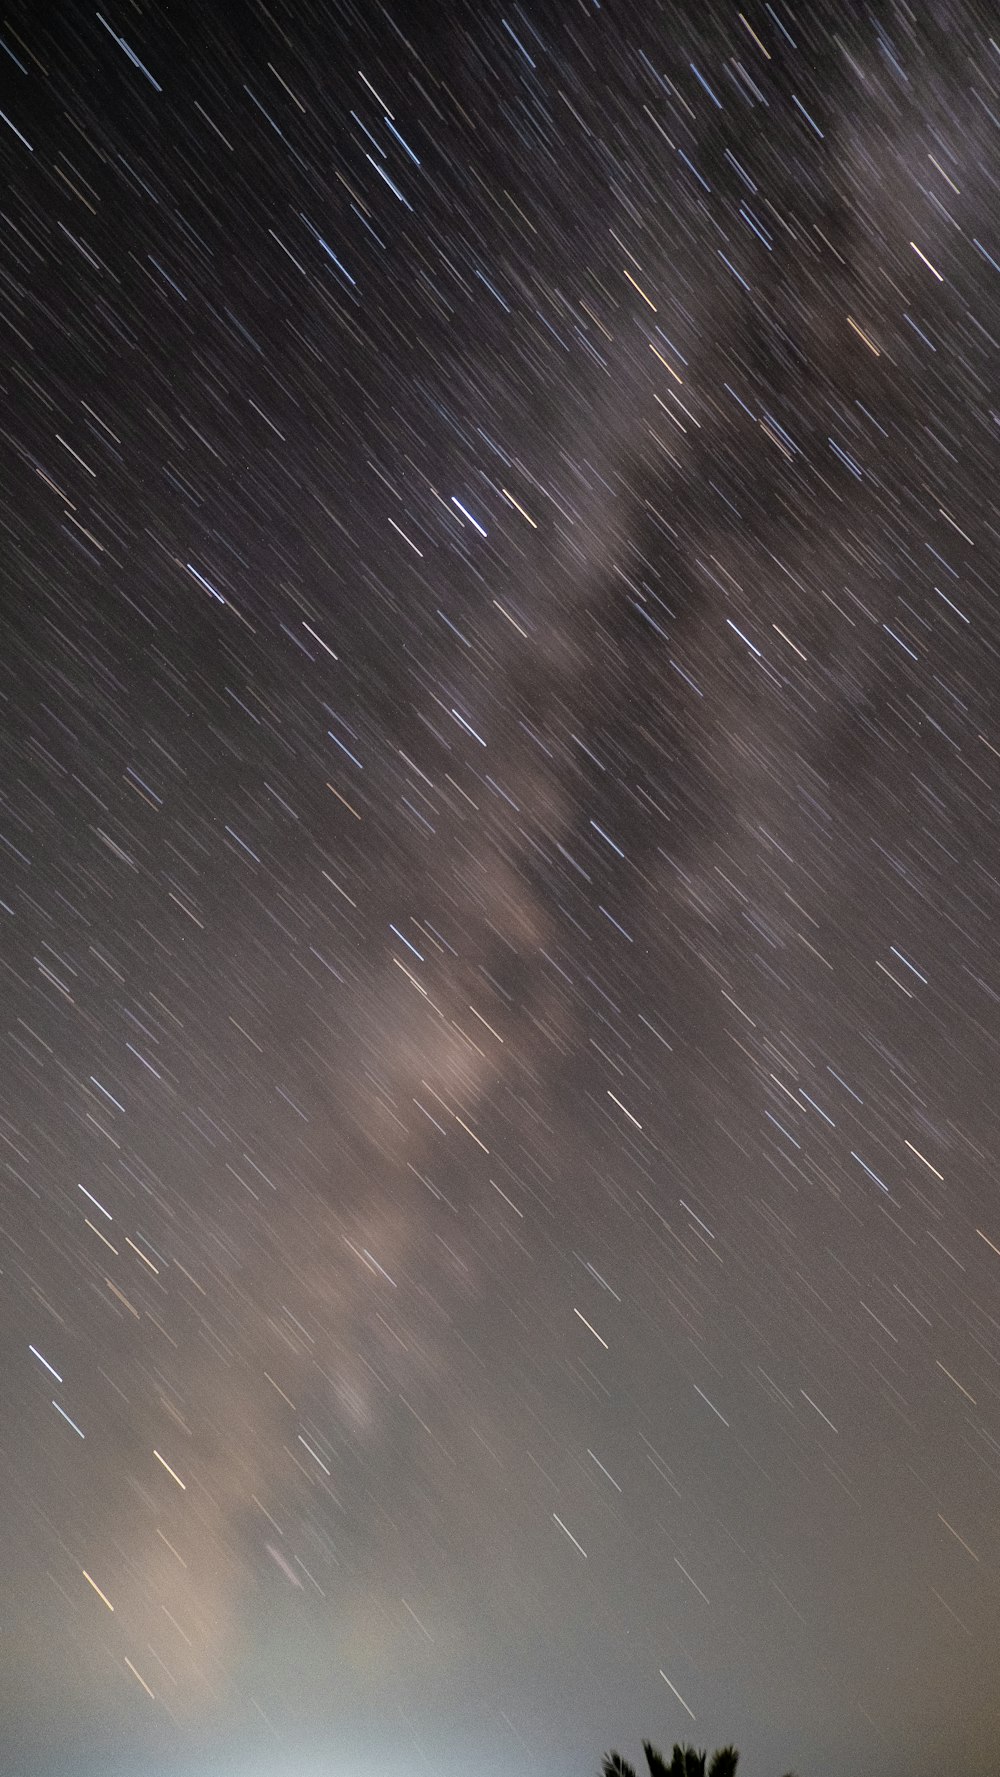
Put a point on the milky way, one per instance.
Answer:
(499, 870)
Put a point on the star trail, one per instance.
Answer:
(499, 884)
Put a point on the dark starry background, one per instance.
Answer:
(500, 1240)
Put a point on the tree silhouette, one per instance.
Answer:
(685, 1762)
(615, 1766)
(724, 1762)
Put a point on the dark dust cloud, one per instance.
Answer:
(500, 876)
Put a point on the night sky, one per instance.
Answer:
(499, 881)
